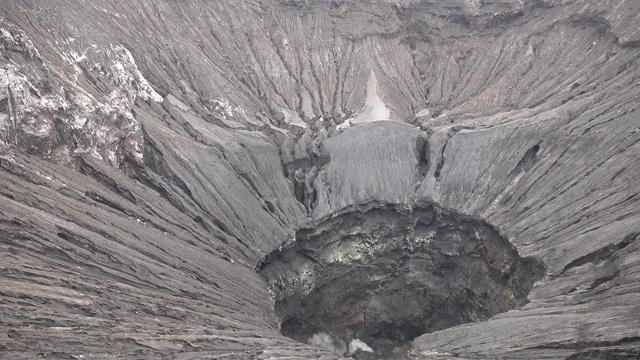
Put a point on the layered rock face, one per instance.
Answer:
(223, 179)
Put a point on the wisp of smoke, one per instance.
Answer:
(338, 346)
(357, 344)
(328, 343)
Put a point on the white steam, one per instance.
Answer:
(357, 344)
(325, 341)
(338, 346)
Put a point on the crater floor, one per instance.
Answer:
(385, 275)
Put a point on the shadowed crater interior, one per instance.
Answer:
(386, 274)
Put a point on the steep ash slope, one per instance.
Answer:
(154, 154)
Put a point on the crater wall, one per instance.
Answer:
(153, 153)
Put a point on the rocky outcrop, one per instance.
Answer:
(154, 154)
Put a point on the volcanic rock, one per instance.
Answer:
(227, 179)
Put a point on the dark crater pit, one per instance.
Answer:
(386, 274)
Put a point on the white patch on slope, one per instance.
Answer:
(6, 35)
(125, 70)
(374, 108)
(18, 40)
(85, 112)
(26, 102)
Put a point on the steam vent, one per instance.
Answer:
(316, 179)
